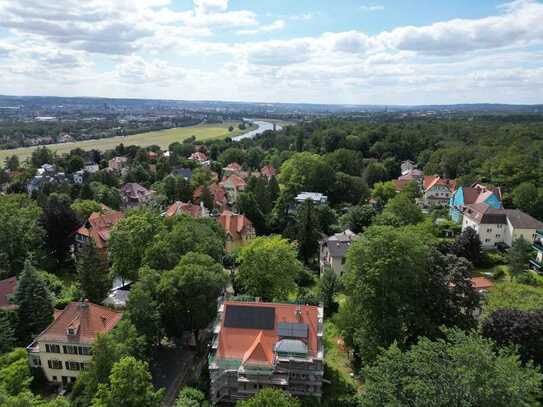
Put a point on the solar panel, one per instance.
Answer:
(242, 316)
(292, 330)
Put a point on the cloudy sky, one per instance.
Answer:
(320, 51)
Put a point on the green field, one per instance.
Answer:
(163, 138)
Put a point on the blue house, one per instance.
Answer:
(477, 193)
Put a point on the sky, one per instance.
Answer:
(386, 52)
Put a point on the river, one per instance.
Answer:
(262, 127)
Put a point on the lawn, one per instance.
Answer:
(163, 138)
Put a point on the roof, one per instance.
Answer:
(400, 184)
(314, 196)
(478, 193)
(198, 156)
(183, 172)
(256, 344)
(87, 320)
(481, 283)
(232, 167)
(235, 225)
(218, 192)
(267, 171)
(339, 243)
(430, 181)
(99, 226)
(188, 208)
(135, 191)
(412, 174)
(236, 181)
(7, 289)
(521, 220)
(482, 213)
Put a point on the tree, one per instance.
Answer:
(207, 198)
(130, 386)
(92, 273)
(329, 285)
(382, 192)
(270, 397)
(273, 187)
(84, 207)
(307, 230)
(461, 370)
(40, 156)
(250, 208)
(188, 294)
(349, 189)
(468, 245)
(519, 256)
(142, 307)
(399, 288)
(358, 218)
(129, 239)
(191, 397)
(20, 233)
(400, 211)
(306, 172)
(34, 304)
(7, 333)
(59, 222)
(15, 375)
(12, 163)
(375, 172)
(513, 296)
(519, 328)
(268, 267)
(527, 197)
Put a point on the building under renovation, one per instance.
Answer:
(257, 345)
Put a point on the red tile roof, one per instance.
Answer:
(198, 156)
(188, 208)
(218, 192)
(235, 180)
(7, 289)
(400, 184)
(267, 171)
(257, 345)
(232, 167)
(481, 283)
(235, 225)
(430, 181)
(99, 226)
(87, 320)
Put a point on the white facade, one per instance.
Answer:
(489, 233)
(437, 195)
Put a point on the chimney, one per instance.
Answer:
(298, 312)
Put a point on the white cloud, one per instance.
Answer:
(373, 7)
(302, 17)
(277, 25)
(210, 6)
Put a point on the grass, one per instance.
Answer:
(162, 138)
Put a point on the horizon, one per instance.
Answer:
(378, 53)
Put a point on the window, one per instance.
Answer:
(498, 236)
(54, 364)
(487, 240)
(70, 349)
(500, 226)
(83, 350)
(50, 348)
(36, 362)
(72, 365)
(489, 230)
(54, 378)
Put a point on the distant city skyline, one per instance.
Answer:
(308, 51)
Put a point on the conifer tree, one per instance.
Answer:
(35, 306)
(92, 273)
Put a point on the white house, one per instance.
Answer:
(333, 250)
(91, 167)
(499, 226)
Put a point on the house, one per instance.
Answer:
(118, 295)
(481, 284)
(233, 185)
(198, 156)
(316, 197)
(133, 195)
(185, 173)
(63, 349)
(78, 177)
(218, 193)
(178, 208)
(268, 171)
(46, 174)
(536, 262)
(118, 165)
(400, 184)
(7, 291)
(258, 344)
(239, 230)
(474, 194)
(98, 228)
(437, 191)
(407, 166)
(333, 251)
(231, 169)
(497, 226)
(91, 167)
(412, 175)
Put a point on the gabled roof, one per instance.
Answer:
(412, 175)
(482, 213)
(431, 181)
(87, 320)
(258, 352)
(481, 283)
(7, 289)
(339, 243)
(188, 208)
(235, 180)
(521, 220)
(400, 184)
(235, 225)
(232, 167)
(99, 226)
(267, 171)
(198, 156)
(218, 192)
(135, 191)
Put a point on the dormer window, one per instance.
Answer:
(71, 331)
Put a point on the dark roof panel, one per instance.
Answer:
(246, 317)
(292, 330)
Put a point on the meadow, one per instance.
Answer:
(162, 138)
